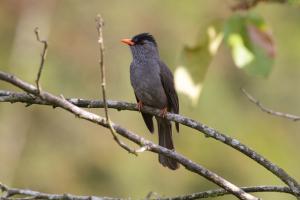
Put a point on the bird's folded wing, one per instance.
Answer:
(167, 81)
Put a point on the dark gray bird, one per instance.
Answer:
(153, 85)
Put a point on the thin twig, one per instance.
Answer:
(14, 97)
(30, 194)
(248, 4)
(268, 110)
(83, 114)
(99, 26)
(221, 192)
(43, 58)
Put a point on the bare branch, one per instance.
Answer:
(188, 164)
(221, 192)
(209, 132)
(30, 194)
(43, 58)
(14, 97)
(269, 111)
(248, 4)
(99, 26)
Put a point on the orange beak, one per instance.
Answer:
(128, 41)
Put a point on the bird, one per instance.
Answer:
(153, 85)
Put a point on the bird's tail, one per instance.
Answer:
(165, 140)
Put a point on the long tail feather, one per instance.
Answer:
(165, 140)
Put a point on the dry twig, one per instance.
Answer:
(99, 26)
(268, 110)
(14, 194)
(43, 58)
(248, 4)
(221, 192)
(10, 193)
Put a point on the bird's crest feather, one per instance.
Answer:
(142, 37)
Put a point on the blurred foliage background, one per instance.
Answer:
(50, 150)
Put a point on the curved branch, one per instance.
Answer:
(221, 192)
(246, 5)
(34, 195)
(13, 97)
(30, 194)
(188, 164)
(268, 110)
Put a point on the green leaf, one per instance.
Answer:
(251, 43)
(195, 59)
(241, 55)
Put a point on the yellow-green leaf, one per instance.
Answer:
(251, 42)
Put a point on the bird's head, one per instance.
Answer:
(142, 45)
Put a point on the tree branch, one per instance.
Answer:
(13, 97)
(248, 4)
(221, 192)
(268, 110)
(10, 193)
(43, 58)
(99, 26)
(188, 164)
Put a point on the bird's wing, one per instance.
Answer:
(168, 84)
(147, 119)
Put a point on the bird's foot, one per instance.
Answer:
(140, 105)
(163, 112)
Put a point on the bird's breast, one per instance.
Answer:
(146, 82)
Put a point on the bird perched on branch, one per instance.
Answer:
(153, 85)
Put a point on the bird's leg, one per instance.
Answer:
(140, 105)
(163, 112)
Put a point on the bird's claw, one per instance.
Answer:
(163, 112)
(140, 105)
